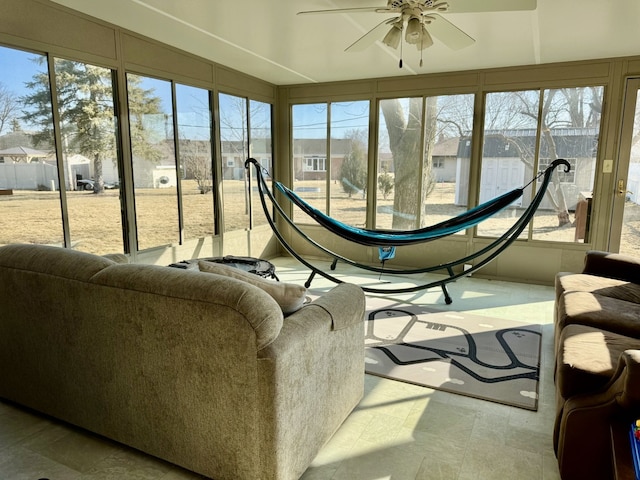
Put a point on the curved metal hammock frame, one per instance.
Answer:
(395, 238)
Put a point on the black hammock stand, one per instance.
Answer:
(391, 238)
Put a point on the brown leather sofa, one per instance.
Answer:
(597, 368)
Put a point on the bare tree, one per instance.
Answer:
(404, 127)
(9, 108)
(197, 163)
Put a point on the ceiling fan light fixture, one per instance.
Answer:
(393, 36)
(414, 30)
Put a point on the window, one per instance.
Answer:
(310, 134)
(349, 162)
(315, 164)
(90, 156)
(195, 147)
(245, 130)
(524, 125)
(342, 129)
(424, 152)
(29, 175)
(570, 129)
(155, 177)
(261, 146)
(508, 154)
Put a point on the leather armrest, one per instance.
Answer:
(629, 367)
(612, 265)
(584, 440)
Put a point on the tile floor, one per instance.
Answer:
(397, 432)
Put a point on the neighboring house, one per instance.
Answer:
(503, 168)
(445, 159)
(310, 157)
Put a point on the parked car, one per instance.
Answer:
(87, 184)
(84, 184)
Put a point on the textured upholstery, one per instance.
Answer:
(597, 345)
(195, 368)
(289, 296)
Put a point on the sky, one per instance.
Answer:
(18, 67)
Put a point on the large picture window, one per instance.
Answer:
(90, 156)
(195, 147)
(335, 183)
(30, 200)
(260, 148)
(155, 173)
(424, 152)
(524, 130)
(245, 131)
(310, 138)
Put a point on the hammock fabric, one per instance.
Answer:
(382, 238)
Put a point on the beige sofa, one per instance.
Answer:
(198, 369)
(597, 370)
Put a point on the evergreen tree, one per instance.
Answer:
(85, 102)
(353, 173)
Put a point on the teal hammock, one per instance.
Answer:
(384, 239)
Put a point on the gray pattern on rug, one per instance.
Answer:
(489, 358)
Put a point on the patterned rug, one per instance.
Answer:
(488, 358)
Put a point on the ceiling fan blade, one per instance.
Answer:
(448, 33)
(345, 10)
(369, 38)
(475, 6)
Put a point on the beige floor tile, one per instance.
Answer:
(483, 461)
(74, 448)
(23, 464)
(381, 463)
(128, 464)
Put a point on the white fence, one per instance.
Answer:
(28, 176)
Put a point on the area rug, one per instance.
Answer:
(488, 358)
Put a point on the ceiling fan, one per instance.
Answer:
(420, 19)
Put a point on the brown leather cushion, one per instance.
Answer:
(607, 287)
(598, 311)
(587, 358)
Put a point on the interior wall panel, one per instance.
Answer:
(41, 22)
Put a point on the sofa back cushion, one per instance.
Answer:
(226, 296)
(49, 260)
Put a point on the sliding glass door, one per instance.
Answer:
(625, 231)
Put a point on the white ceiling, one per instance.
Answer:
(266, 39)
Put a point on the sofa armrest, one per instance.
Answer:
(584, 440)
(310, 378)
(629, 368)
(344, 304)
(612, 265)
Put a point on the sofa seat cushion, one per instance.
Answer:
(598, 311)
(607, 287)
(289, 296)
(587, 358)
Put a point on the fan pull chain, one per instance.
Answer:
(400, 64)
